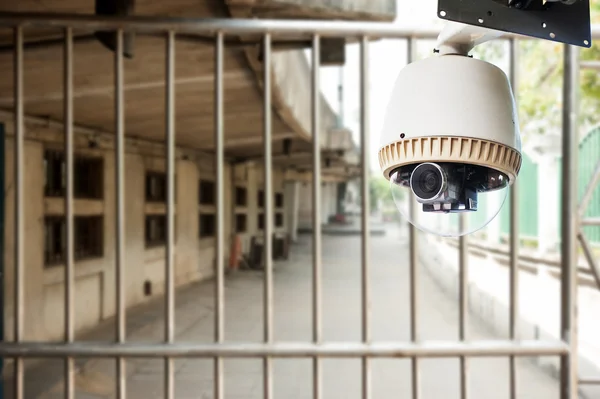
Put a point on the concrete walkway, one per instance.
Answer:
(341, 322)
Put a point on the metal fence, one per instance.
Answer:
(589, 149)
(365, 349)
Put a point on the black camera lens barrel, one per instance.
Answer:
(427, 181)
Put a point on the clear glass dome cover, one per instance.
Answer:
(442, 193)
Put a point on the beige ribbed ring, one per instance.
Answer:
(450, 149)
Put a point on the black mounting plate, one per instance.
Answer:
(553, 21)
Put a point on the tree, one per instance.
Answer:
(540, 82)
(380, 193)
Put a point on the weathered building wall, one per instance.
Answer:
(94, 296)
(328, 204)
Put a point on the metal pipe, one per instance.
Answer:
(411, 56)
(170, 247)
(433, 349)
(316, 205)
(19, 225)
(513, 315)
(589, 191)
(591, 65)
(590, 221)
(69, 206)
(569, 219)
(304, 28)
(587, 251)
(268, 295)
(463, 299)
(365, 231)
(120, 212)
(589, 381)
(47, 42)
(220, 239)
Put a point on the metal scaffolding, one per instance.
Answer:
(366, 349)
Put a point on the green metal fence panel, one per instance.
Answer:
(528, 201)
(589, 156)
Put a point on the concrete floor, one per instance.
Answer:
(341, 322)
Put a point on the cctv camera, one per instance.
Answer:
(450, 142)
(448, 187)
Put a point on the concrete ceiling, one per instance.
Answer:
(144, 78)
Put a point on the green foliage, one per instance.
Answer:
(379, 192)
(540, 82)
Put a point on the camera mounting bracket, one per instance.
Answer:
(563, 21)
(458, 38)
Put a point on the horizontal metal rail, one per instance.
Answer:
(589, 381)
(432, 349)
(590, 222)
(591, 65)
(303, 28)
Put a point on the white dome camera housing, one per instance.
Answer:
(450, 142)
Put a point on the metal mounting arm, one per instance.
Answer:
(563, 21)
(460, 39)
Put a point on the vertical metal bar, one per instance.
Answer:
(463, 299)
(340, 118)
(316, 206)
(19, 261)
(514, 235)
(170, 250)
(69, 223)
(220, 239)
(365, 239)
(268, 295)
(570, 222)
(120, 210)
(413, 280)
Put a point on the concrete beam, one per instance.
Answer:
(370, 10)
(109, 90)
(246, 141)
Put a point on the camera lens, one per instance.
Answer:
(427, 181)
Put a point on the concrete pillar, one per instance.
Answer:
(252, 204)
(333, 199)
(292, 201)
(340, 197)
(305, 206)
(548, 204)
(325, 198)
